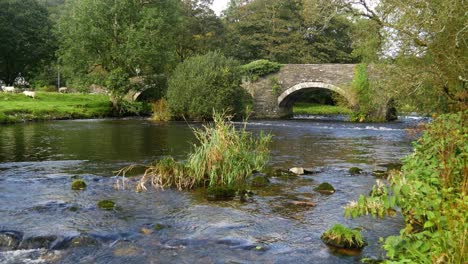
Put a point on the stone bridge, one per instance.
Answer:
(274, 94)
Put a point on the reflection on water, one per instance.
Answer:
(39, 160)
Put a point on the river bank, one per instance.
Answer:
(15, 108)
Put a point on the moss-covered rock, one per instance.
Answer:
(325, 188)
(276, 172)
(78, 185)
(221, 193)
(106, 205)
(259, 181)
(343, 237)
(355, 170)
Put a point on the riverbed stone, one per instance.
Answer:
(297, 170)
(355, 170)
(106, 205)
(221, 193)
(325, 188)
(10, 240)
(38, 242)
(78, 185)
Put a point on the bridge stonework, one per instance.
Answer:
(274, 94)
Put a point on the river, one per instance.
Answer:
(38, 162)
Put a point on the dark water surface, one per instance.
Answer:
(39, 160)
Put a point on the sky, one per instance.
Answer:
(219, 5)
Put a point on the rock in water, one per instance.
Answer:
(325, 188)
(10, 240)
(78, 185)
(37, 242)
(297, 170)
(355, 170)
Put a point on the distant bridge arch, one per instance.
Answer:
(273, 95)
(286, 99)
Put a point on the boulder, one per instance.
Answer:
(297, 170)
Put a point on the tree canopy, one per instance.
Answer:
(26, 38)
(98, 37)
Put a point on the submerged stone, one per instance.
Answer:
(325, 188)
(259, 181)
(78, 185)
(37, 242)
(10, 240)
(106, 205)
(221, 193)
(355, 170)
(159, 226)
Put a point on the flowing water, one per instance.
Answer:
(38, 162)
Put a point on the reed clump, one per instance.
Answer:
(343, 237)
(225, 156)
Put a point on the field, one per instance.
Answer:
(49, 106)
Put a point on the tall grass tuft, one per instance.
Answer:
(160, 110)
(225, 156)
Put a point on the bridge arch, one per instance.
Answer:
(286, 99)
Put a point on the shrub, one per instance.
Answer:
(431, 190)
(205, 83)
(259, 68)
(225, 156)
(160, 111)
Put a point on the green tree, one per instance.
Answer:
(205, 83)
(26, 38)
(200, 31)
(295, 31)
(100, 37)
(426, 40)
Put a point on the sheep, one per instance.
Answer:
(9, 89)
(63, 90)
(30, 94)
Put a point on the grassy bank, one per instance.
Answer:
(317, 109)
(48, 106)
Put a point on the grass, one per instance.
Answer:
(225, 156)
(47, 106)
(318, 109)
(341, 236)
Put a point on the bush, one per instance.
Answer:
(160, 111)
(431, 190)
(205, 83)
(259, 68)
(225, 157)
